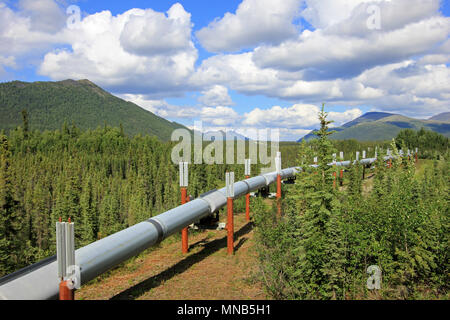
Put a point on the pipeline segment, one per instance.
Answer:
(40, 281)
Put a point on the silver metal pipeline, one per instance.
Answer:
(40, 282)
(347, 163)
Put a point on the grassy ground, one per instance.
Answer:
(206, 272)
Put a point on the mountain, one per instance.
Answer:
(228, 135)
(374, 126)
(367, 117)
(81, 102)
(445, 117)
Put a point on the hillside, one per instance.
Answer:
(367, 117)
(81, 102)
(377, 126)
(441, 117)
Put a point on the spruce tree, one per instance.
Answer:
(88, 222)
(25, 124)
(10, 221)
(41, 215)
(318, 269)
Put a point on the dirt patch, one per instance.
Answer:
(206, 272)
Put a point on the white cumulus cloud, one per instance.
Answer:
(97, 53)
(148, 32)
(321, 55)
(219, 116)
(161, 107)
(31, 30)
(43, 15)
(255, 22)
(298, 116)
(216, 96)
(147, 57)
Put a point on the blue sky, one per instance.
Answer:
(241, 64)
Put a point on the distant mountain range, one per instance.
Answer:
(445, 117)
(88, 106)
(378, 126)
(81, 102)
(223, 136)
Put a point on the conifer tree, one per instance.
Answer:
(314, 234)
(322, 238)
(88, 222)
(355, 182)
(25, 124)
(72, 190)
(109, 218)
(10, 222)
(41, 215)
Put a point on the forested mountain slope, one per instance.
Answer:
(82, 103)
(379, 126)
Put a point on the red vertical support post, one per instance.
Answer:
(229, 177)
(65, 291)
(183, 188)
(341, 176)
(247, 196)
(183, 195)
